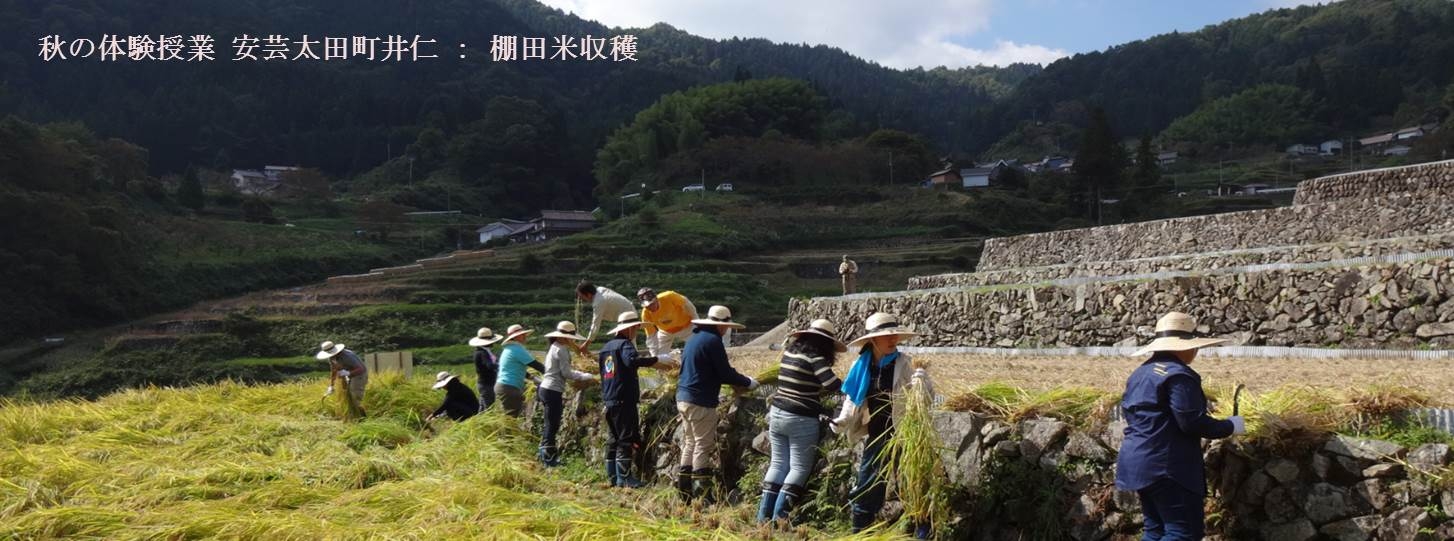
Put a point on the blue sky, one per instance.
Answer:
(929, 33)
(1079, 26)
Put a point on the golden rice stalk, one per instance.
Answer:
(915, 450)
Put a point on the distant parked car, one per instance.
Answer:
(694, 188)
(724, 187)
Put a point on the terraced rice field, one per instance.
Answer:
(954, 373)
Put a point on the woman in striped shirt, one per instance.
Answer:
(806, 373)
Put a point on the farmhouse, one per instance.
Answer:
(502, 229)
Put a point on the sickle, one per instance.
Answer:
(1236, 398)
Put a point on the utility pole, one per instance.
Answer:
(891, 167)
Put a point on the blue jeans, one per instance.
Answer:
(794, 447)
(867, 496)
(554, 410)
(1172, 512)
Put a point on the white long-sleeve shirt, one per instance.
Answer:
(558, 369)
(606, 307)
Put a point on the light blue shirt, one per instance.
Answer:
(513, 360)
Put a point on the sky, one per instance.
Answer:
(929, 33)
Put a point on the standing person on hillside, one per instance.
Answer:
(874, 397)
(344, 363)
(805, 374)
(848, 271)
(620, 393)
(487, 367)
(704, 371)
(667, 318)
(558, 371)
(606, 305)
(459, 401)
(1166, 419)
(514, 359)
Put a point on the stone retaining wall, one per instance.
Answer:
(1194, 262)
(1043, 478)
(1341, 488)
(1344, 220)
(1425, 176)
(1392, 305)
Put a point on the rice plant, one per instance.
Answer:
(920, 474)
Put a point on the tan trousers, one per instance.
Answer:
(356, 385)
(850, 285)
(699, 436)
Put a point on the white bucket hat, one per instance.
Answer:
(566, 330)
(1176, 331)
(485, 338)
(626, 320)
(516, 331)
(443, 378)
(720, 316)
(826, 329)
(329, 350)
(881, 324)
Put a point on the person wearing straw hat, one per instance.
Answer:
(459, 401)
(873, 398)
(344, 363)
(487, 367)
(606, 305)
(514, 359)
(705, 370)
(667, 318)
(558, 370)
(848, 271)
(620, 393)
(805, 374)
(1166, 419)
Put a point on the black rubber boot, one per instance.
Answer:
(624, 478)
(704, 485)
(684, 483)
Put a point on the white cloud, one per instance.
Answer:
(902, 34)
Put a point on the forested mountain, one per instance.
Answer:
(506, 138)
(349, 117)
(1364, 62)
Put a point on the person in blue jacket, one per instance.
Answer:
(619, 361)
(1166, 420)
(704, 371)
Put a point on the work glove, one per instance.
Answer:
(752, 384)
(1239, 426)
(329, 392)
(920, 373)
(343, 373)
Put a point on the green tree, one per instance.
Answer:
(190, 193)
(1145, 192)
(1264, 114)
(381, 216)
(1098, 162)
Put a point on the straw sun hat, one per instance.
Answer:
(485, 337)
(1176, 331)
(826, 329)
(567, 330)
(720, 316)
(881, 324)
(329, 350)
(626, 320)
(443, 378)
(516, 331)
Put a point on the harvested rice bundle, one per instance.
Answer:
(922, 480)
